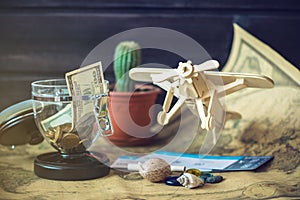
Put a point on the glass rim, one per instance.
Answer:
(38, 83)
(68, 98)
(61, 98)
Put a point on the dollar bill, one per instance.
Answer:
(249, 54)
(84, 82)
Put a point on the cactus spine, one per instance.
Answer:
(127, 56)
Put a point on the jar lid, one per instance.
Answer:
(17, 126)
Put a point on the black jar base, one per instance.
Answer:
(71, 167)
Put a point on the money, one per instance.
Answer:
(50, 134)
(61, 117)
(60, 137)
(89, 82)
(84, 82)
(67, 127)
(101, 109)
(57, 134)
(69, 141)
(249, 54)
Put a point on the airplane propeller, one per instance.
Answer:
(208, 65)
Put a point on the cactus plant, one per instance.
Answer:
(127, 56)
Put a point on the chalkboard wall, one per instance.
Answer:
(45, 39)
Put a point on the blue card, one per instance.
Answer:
(202, 162)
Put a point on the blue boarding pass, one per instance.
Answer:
(203, 162)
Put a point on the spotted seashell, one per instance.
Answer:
(155, 169)
(190, 180)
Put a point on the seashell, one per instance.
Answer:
(154, 169)
(190, 180)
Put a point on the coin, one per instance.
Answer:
(103, 123)
(66, 127)
(50, 134)
(57, 134)
(69, 141)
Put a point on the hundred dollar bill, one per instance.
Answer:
(250, 55)
(84, 82)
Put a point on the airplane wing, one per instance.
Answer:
(144, 74)
(250, 80)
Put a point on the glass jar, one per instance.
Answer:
(69, 123)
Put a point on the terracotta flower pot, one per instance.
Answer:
(131, 115)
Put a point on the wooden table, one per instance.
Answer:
(275, 132)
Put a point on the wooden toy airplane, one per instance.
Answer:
(199, 88)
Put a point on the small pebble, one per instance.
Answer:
(132, 176)
(214, 179)
(206, 175)
(196, 172)
(172, 180)
(199, 173)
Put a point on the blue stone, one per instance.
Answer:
(205, 175)
(214, 179)
(171, 180)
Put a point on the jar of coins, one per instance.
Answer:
(70, 117)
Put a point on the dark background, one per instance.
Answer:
(45, 39)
